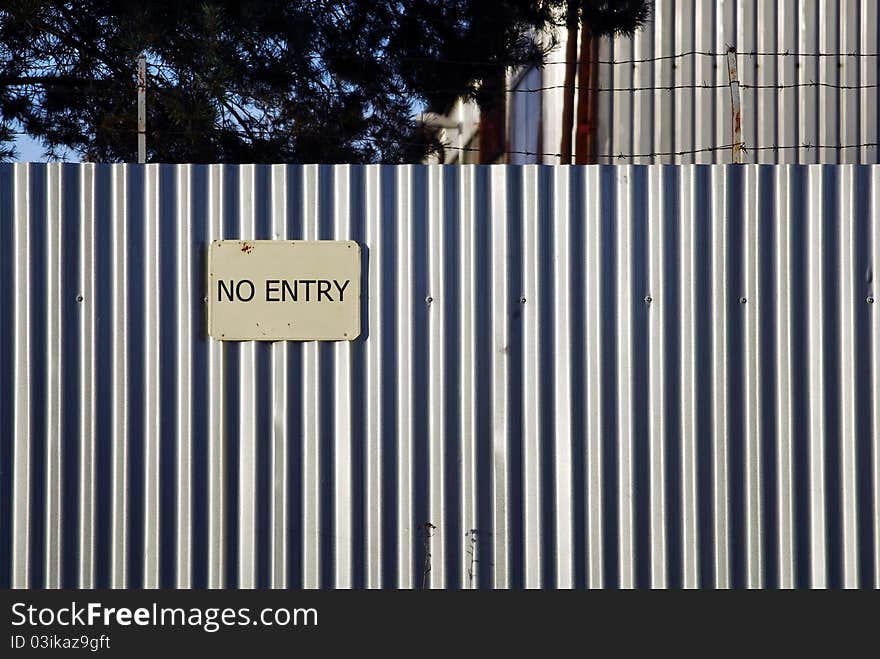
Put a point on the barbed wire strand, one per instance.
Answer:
(685, 152)
(706, 86)
(645, 88)
(703, 85)
(607, 156)
(654, 58)
(604, 62)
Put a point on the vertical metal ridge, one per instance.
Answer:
(875, 365)
(750, 305)
(684, 40)
(829, 73)
(404, 272)
(816, 369)
(720, 438)
(688, 359)
(626, 485)
(87, 466)
(279, 509)
(621, 130)
(766, 74)
(868, 123)
(311, 431)
(531, 374)
(247, 418)
(119, 504)
(848, 123)
(562, 403)
(605, 103)
(152, 439)
(664, 76)
(787, 104)
(54, 377)
(342, 442)
(657, 310)
(593, 333)
(784, 403)
(21, 424)
(704, 71)
(849, 303)
(643, 127)
(500, 376)
(467, 373)
(437, 406)
(186, 295)
(217, 508)
(375, 421)
(808, 97)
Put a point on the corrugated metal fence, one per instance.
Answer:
(616, 376)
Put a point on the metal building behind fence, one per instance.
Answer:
(807, 71)
(808, 74)
(601, 376)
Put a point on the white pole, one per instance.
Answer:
(142, 107)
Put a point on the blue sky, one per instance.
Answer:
(29, 150)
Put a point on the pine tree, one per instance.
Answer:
(264, 81)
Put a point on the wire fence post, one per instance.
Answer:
(735, 106)
(142, 107)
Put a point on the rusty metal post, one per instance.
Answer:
(569, 83)
(142, 107)
(736, 145)
(585, 135)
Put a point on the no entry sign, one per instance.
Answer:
(284, 290)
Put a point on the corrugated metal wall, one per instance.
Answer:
(663, 103)
(632, 376)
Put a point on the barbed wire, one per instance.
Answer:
(707, 86)
(699, 85)
(704, 85)
(673, 56)
(604, 62)
(807, 145)
(829, 85)
(685, 152)
(261, 134)
(606, 156)
(343, 57)
(724, 53)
